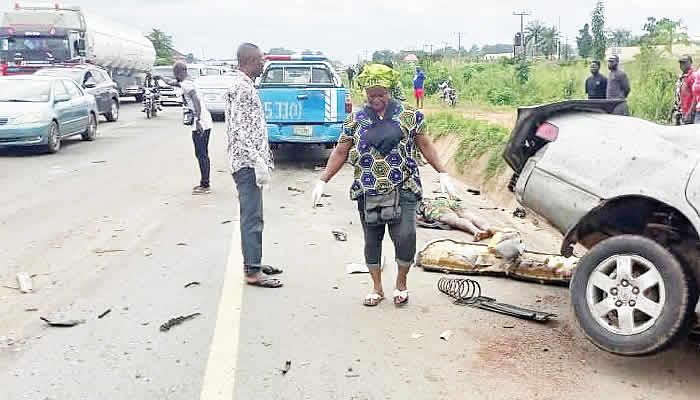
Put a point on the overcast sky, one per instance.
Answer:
(345, 29)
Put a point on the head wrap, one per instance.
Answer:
(378, 75)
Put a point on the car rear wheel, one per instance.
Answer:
(631, 296)
(113, 114)
(91, 132)
(139, 98)
(53, 140)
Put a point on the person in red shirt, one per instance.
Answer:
(685, 101)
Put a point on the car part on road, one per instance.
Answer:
(177, 321)
(62, 324)
(195, 283)
(520, 213)
(632, 297)
(467, 292)
(492, 259)
(287, 367)
(340, 235)
(104, 314)
(25, 282)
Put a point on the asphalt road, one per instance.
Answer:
(111, 225)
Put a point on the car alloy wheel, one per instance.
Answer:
(53, 140)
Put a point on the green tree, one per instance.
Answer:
(620, 37)
(381, 56)
(598, 27)
(665, 32)
(190, 58)
(534, 33)
(549, 41)
(584, 42)
(163, 43)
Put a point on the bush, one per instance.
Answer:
(503, 96)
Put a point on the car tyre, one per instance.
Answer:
(632, 278)
(139, 98)
(91, 132)
(53, 139)
(113, 114)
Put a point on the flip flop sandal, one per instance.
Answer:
(270, 270)
(267, 283)
(400, 297)
(373, 299)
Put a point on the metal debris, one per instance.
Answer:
(106, 251)
(294, 189)
(467, 292)
(340, 235)
(195, 283)
(62, 324)
(287, 367)
(520, 213)
(177, 321)
(25, 282)
(474, 192)
(104, 314)
(446, 335)
(226, 222)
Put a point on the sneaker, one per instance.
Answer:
(201, 190)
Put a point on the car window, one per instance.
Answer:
(73, 89)
(274, 75)
(321, 76)
(97, 76)
(60, 90)
(86, 77)
(106, 76)
(297, 75)
(213, 71)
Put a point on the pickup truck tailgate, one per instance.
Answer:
(303, 105)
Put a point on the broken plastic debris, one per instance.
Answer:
(294, 189)
(416, 336)
(474, 192)
(287, 367)
(105, 251)
(25, 282)
(62, 324)
(520, 212)
(446, 335)
(195, 283)
(340, 235)
(104, 314)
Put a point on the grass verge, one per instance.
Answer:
(475, 139)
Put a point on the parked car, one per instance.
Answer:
(214, 89)
(304, 99)
(629, 191)
(43, 110)
(95, 81)
(168, 94)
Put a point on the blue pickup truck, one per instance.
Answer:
(304, 99)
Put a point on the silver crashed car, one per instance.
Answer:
(627, 190)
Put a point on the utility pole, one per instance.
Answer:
(522, 15)
(459, 43)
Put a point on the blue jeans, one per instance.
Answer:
(252, 224)
(403, 233)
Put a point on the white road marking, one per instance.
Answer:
(220, 374)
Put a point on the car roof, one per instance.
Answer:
(55, 70)
(30, 78)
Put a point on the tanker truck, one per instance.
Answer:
(34, 36)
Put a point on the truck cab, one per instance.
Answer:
(304, 100)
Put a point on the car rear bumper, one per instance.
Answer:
(321, 133)
(132, 91)
(25, 135)
(170, 97)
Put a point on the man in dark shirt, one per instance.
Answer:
(596, 84)
(618, 85)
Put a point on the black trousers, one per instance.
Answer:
(201, 151)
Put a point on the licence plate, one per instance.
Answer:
(303, 130)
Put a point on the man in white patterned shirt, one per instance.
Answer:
(248, 147)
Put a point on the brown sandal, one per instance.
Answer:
(271, 283)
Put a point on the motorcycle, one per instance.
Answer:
(151, 98)
(448, 94)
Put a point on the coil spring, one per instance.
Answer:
(464, 291)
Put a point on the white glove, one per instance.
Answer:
(317, 193)
(446, 185)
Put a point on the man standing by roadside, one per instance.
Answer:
(351, 75)
(418, 84)
(597, 83)
(684, 102)
(618, 85)
(250, 158)
(201, 124)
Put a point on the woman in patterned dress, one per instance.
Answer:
(382, 141)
